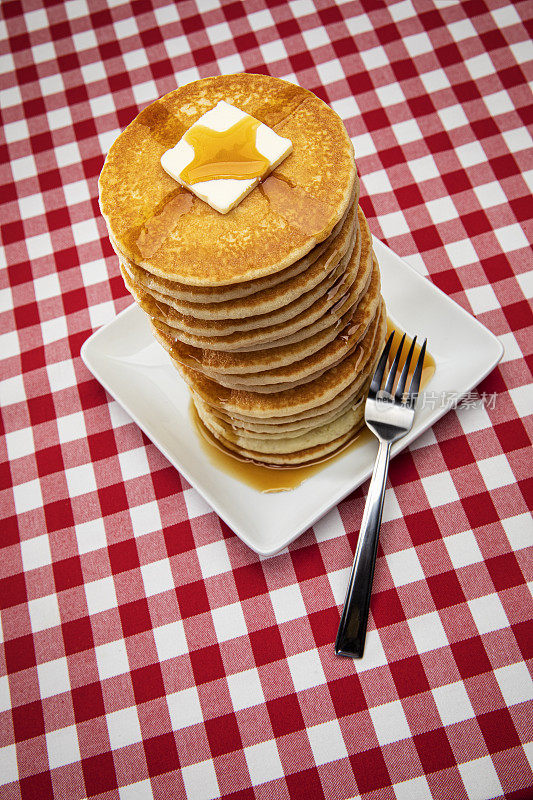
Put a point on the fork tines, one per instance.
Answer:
(386, 393)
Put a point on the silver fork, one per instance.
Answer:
(389, 416)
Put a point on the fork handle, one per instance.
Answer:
(352, 629)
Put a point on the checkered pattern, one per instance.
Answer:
(146, 652)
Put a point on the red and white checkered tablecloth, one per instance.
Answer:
(146, 652)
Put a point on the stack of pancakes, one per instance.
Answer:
(272, 313)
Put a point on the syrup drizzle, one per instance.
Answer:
(225, 154)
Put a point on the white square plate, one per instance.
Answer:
(137, 372)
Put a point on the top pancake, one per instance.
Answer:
(171, 233)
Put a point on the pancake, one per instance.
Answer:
(294, 372)
(217, 294)
(291, 401)
(266, 300)
(172, 234)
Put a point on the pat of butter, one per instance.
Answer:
(223, 194)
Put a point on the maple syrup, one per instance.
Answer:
(281, 479)
(300, 209)
(224, 154)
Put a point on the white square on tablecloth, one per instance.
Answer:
(94, 272)
(414, 789)
(511, 237)
(80, 480)
(52, 330)
(229, 64)
(61, 375)
(359, 24)
(134, 59)
(488, 613)
(498, 103)
(53, 677)
(391, 506)
(35, 20)
(245, 689)
(525, 280)
(453, 703)
(23, 167)
(377, 182)
(515, 683)
(373, 58)
(134, 463)
(39, 245)
(263, 762)
(422, 169)
(102, 313)
(63, 747)
(229, 622)
(505, 16)
(145, 92)
(326, 742)
(170, 641)
(480, 66)
(518, 139)
(16, 131)
(71, 427)
(287, 603)
(184, 708)
(393, 224)
(218, 33)
(453, 117)
(5, 695)
(403, 10)
(463, 29)
(404, 567)
(363, 145)
(46, 286)
(390, 722)
(330, 71)
(123, 727)
(463, 549)
(482, 299)
(490, 194)
(59, 118)
(213, 558)
(470, 154)
(496, 471)
(142, 790)
(196, 505)
(306, 670)
(407, 131)
(258, 20)
(519, 531)
(390, 94)
(338, 580)
(157, 577)
(346, 108)
(44, 613)
(201, 781)
(36, 552)
(480, 778)
(417, 44)
(315, 37)
(75, 9)
(521, 51)
(19, 443)
(8, 764)
(440, 489)
(428, 632)
(27, 496)
(442, 209)
(103, 104)
(101, 595)
(435, 80)
(145, 518)
(176, 46)
(76, 192)
(111, 659)
(512, 350)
